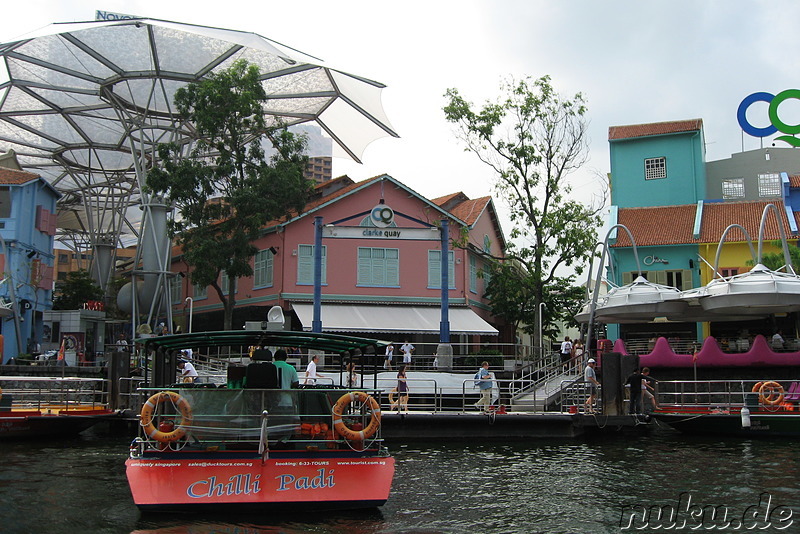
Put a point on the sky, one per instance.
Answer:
(635, 62)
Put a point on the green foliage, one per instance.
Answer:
(73, 292)
(225, 191)
(532, 139)
(775, 260)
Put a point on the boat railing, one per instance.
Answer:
(708, 393)
(210, 418)
(48, 393)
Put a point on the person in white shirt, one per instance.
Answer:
(777, 341)
(387, 364)
(311, 371)
(407, 349)
(188, 372)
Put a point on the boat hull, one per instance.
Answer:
(705, 422)
(250, 484)
(15, 425)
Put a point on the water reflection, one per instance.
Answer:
(78, 485)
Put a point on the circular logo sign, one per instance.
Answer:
(776, 124)
(382, 216)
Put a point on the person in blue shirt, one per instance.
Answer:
(483, 379)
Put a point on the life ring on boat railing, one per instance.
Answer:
(757, 387)
(147, 417)
(346, 432)
(771, 393)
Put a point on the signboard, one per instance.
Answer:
(776, 124)
(108, 15)
(368, 232)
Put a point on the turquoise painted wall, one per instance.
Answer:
(686, 176)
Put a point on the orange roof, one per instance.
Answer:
(661, 225)
(794, 180)
(14, 177)
(655, 128)
(469, 210)
(674, 225)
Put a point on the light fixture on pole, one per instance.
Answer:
(191, 303)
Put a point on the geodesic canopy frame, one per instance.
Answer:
(85, 105)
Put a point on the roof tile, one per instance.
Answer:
(674, 225)
(655, 128)
(15, 177)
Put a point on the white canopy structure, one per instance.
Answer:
(85, 105)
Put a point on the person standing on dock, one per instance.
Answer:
(590, 376)
(402, 390)
(483, 379)
(407, 348)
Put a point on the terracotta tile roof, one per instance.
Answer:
(661, 225)
(655, 128)
(794, 180)
(14, 177)
(718, 216)
(469, 210)
(448, 202)
(674, 225)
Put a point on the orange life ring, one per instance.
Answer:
(342, 429)
(757, 387)
(771, 393)
(147, 417)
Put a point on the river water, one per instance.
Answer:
(78, 485)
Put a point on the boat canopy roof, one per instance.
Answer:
(332, 343)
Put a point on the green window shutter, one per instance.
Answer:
(686, 280)
(627, 278)
(392, 267)
(434, 268)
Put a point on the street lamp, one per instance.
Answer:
(191, 304)
(541, 339)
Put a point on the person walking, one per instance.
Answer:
(387, 363)
(483, 379)
(566, 351)
(311, 371)
(590, 377)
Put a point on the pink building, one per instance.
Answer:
(376, 282)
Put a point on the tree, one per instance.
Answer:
(532, 139)
(225, 191)
(77, 289)
(775, 261)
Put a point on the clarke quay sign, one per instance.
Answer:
(776, 124)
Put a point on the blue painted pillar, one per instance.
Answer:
(316, 321)
(444, 326)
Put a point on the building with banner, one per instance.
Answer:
(381, 267)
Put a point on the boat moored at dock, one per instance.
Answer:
(255, 446)
(38, 406)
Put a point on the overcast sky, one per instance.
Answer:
(635, 62)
